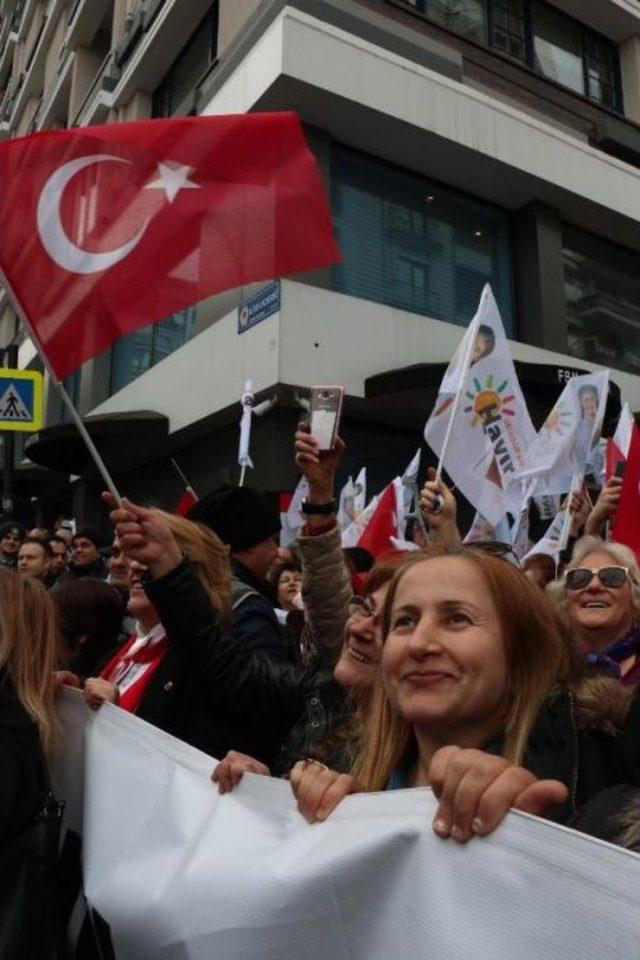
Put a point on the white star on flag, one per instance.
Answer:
(173, 179)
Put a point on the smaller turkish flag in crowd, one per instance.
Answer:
(618, 445)
(109, 228)
(383, 525)
(626, 526)
(186, 501)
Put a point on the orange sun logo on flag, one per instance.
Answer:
(559, 420)
(488, 399)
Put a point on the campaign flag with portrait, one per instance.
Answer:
(492, 427)
(569, 438)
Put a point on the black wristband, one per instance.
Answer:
(319, 509)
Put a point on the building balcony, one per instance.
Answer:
(97, 101)
(85, 16)
(35, 65)
(54, 104)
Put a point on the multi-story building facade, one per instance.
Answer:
(462, 141)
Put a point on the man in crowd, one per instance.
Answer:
(59, 559)
(86, 560)
(11, 536)
(34, 558)
(249, 523)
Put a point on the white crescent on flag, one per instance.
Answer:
(52, 233)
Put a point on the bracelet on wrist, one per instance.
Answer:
(319, 509)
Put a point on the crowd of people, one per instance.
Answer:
(447, 665)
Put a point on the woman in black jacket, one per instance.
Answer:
(28, 651)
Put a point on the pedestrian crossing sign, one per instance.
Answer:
(20, 400)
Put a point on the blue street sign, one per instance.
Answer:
(265, 303)
(20, 400)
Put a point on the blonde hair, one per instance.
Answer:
(29, 649)
(209, 555)
(537, 653)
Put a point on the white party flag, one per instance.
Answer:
(482, 529)
(293, 519)
(549, 544)
(491, 429)
(354, 531)
(246, 401)
(569, 438)
(352, 499)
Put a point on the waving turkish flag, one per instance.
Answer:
(108, 228)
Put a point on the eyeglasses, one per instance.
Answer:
(361, 608)
(581, 577)
(496, 548)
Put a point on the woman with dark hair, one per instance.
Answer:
(90, 614)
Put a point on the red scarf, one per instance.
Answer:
(132, 675)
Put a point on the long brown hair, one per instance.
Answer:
(29, 649)
(537, 653)
(210, 558)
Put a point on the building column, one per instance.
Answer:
(629, 51)
(539, 272)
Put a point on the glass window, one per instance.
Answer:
(194, 60)
(601, 69)
(508, 30)
(558, 45)
(415, 245)
(462, 16)
(138, 351)
(602, 292)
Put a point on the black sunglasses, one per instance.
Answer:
(581, 577)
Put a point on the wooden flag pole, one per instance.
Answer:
(66, 399)
(466, 364)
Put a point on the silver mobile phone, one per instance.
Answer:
(324, 416)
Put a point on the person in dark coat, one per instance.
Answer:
(28, 641)
(11, 536)
(86, 559)
(249, 523)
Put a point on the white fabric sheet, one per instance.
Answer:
(180, 873)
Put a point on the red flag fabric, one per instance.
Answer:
(376, 536)
(184, 504)
(626, 526)
(109, 228)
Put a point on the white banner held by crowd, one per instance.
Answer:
(181, 873)
(491, 428)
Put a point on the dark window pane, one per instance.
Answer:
(508, 27)
(191, 64)
(172, 333)
(415, 245)
(462, 16)
(558, 48)
(602, 291)
(601, 63)
(131, 356)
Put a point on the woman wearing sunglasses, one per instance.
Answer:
(481, 698)
(600, 598)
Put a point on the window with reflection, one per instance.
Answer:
(414, 244)
(602, 293)
(137, 352)
(539, 36)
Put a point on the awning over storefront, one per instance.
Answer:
(407, 395)
(123, 440)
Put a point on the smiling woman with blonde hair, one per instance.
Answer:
(482, 697)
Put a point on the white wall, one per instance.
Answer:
(355, 339)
